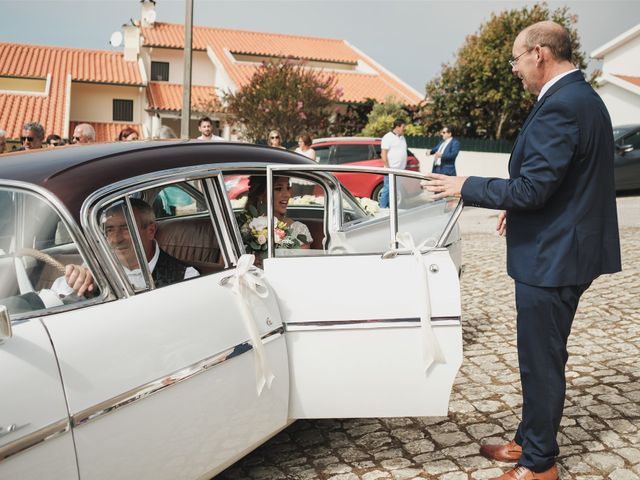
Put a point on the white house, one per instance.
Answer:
(619, 84)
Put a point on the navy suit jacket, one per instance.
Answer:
(448, 160)
(562, 225)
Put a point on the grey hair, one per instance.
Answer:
(552, 35)
(166, 132)
(87, 130)
(36, 128)
(3, 134)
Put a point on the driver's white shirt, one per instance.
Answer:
(135, 276)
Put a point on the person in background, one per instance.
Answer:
(205, 127)
(275, 139)
(32, 136)
(394, 155)
(446, 153)
(84, 133)
(304, 147)
(54, 140)
(128, 134)
(3, 141)
(558, 212)
(166, 133)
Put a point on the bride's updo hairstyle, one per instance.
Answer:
(256, 195)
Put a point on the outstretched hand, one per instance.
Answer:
(444, 186)
(79, 278)
(501, 227)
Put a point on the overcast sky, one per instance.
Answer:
(410, 38)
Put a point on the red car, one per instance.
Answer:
(360, 151)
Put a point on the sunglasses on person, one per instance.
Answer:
(75, 139)
(27, 139)
(274, 137)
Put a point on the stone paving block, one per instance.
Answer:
(623, 474)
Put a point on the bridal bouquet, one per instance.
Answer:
(254, 234)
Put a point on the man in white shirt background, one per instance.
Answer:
(394, 155)
(446, 153)
(205, 127)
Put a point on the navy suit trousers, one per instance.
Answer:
(545, 315)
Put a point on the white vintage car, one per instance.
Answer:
(151, 375)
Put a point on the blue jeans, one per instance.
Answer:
(384, 193)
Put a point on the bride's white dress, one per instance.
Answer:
(299, 228)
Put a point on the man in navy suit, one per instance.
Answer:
(445, 153)
(563, 231)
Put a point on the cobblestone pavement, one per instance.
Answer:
(600, 432)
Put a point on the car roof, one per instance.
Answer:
(74, 172)
(346, 139)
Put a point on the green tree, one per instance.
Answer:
(350, 120)
(478, 94)
(286, 96)
(380, 119)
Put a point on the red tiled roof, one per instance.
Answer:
(170, 35)
(107, 132)
(627, 78)
(168, 96)
(34, 61)
(356, 86)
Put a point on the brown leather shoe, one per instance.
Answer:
(509, 452)
(523, 473)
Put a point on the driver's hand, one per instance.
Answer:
(79, 278)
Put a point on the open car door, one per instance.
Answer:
(372, 319)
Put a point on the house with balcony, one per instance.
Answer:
(619, 83)
(142, 85)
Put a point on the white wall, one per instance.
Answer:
(624, 60)
(203, 71)
(623, 106)
(480, 164)
(94, 102)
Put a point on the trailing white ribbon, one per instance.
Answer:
(247, 278)
(431, 351)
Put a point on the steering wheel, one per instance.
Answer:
(24, 283)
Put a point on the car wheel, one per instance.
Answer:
(376, 194)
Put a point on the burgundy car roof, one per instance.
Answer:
(72, 173)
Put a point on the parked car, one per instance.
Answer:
(627, 157)
(159, 379)
(360, 151)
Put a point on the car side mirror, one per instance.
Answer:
(622, 149)
(5, 324)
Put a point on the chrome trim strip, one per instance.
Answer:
(42, 435)
(410, 322)
(393, 212)
(139, 393)
(452, 222)
(143, 262)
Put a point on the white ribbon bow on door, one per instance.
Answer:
(431, 351)
(247, 278)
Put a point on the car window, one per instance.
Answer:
(175, 200)
(352, 153)
(322, 154)
(35, 247)
(301, 226)
(151, 252)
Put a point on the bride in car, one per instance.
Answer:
(253, 222)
